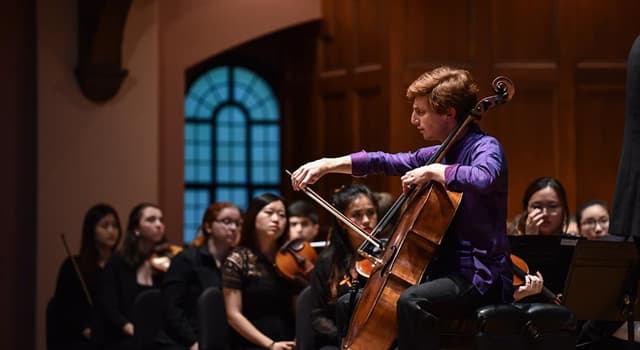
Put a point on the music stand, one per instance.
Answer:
(602, 282)
(551, 255)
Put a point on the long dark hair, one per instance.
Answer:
(248, 235)
(89, 257)
(537, 185)
(130, 249)
(341, 251)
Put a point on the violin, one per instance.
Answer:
(521, 270)
(364, 267)
(162, 254)
(295, 260)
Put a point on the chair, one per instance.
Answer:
(213, 330)
(148, 317)
(500, 327)
(524, 326)
(304, 334)
(550, 326)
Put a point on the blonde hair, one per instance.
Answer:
(446, 87)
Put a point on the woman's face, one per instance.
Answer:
(107, 231)
(547, 202)
(362, 212)
(150, 226)
(594, 222)
(271, 220)
(226, 226)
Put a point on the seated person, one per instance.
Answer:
(258, 301)
(101, 232)
(129, 272)
(303, 220)
(335, 272)
(194, 270)
(546, 211)
(593, 219)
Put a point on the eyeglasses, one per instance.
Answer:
(593, 222)
(228, 222)
(552, 208)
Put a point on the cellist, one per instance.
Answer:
(472, 267)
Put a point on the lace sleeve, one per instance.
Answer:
(233, 269)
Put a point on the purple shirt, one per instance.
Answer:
(475, 244)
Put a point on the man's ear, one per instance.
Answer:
(451, 112)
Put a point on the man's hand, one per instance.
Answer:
(422, 175)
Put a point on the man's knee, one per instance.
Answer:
(407, 302)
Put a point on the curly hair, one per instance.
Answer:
(446, 87)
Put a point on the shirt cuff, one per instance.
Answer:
(450, 173)
(359, 163)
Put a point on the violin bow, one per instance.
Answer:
(76, 268)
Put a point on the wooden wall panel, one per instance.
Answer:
(339, 123)
(336, 46)
(524, 30)
(368, 33)
(600, 122)
(439, 31)
(605, 29)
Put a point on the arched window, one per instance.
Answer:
(232, 141)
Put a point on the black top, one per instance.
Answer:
(323, 304)
(118, 291)
(267, 298)
(72, 310)
(191, 272)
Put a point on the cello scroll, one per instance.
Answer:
(504, 89)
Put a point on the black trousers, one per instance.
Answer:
(421, 307)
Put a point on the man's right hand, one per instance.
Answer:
(311, 172)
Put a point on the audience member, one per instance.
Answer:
(129, 272)
(335, 270)
(259, 303)
(73, 309)
(303, 221)
(193, 271)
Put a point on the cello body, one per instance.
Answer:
(411, 247)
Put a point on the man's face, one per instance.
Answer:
(431, 125)
(302, 227)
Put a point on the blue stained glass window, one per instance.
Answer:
(232, 141)
(195, 203)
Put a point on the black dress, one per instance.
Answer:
(118, 290)
(267, 298)
(70, 310)
(191, 272)
(625, 216)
